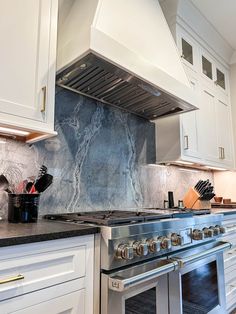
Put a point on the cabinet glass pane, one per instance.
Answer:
(187, 51)
(220, 78)
(206, 67)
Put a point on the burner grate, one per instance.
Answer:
(108, 218)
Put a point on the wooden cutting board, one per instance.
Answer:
(221, 205)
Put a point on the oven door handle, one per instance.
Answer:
(122, 283)
(184, 261)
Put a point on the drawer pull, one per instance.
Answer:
(11, 279)
(44, 89)
(186, 143)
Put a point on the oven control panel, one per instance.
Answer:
(207, 232)
(172, 240)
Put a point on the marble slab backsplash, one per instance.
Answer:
(101, 159)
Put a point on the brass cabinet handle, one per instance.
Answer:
(186, 144)
(220, 153)
(223, 153)
(11, 279)
(44, 89)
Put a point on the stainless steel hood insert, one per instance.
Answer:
(99, 79)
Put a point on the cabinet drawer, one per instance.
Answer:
(40, 266)
(231, 296)
(230, 258)
(66, 298)
(230, 273)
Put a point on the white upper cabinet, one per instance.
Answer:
(224, 133)
(204, 136)
(189, 122)
(207, 136)
(27, 60)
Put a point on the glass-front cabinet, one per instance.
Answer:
(207, 67)
(214, 73)
(220, 79)
(188, 49)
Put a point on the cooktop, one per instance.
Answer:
(118, 217)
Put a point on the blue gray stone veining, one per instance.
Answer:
(100, 160)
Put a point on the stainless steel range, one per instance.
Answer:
(160, 261)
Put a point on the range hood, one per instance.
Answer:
(122, 53)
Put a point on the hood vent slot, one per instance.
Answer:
(98, 79)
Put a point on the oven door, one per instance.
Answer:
(138, 289)
(198, 286)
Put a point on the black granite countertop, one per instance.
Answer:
(13, 234)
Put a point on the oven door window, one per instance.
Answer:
(142, 303)
(200, 292)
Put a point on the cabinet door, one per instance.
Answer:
(189, 122)
(207, 136)
(207, 68)
(24, 57)
(188, 49)
(224, 133)
(221, 80)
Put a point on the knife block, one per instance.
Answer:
(192, 200)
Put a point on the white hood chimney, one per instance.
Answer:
(122, 53)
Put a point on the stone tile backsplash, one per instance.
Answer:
(102, 158)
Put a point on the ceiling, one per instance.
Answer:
(222, 15)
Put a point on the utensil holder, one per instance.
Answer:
(192, 200)
(23, 207)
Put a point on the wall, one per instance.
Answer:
(102, 158)
(225, 184)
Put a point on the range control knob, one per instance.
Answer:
(176, 239)
(165, 243)
(125, 251)
(198, 234)
(140, 248)
(222, 229)
(154, 245)
(208, 233)
(216, 230)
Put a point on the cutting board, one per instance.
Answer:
(221, 205)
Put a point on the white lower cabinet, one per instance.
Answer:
(48, 277)
(230, 265)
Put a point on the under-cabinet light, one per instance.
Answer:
(182, 162)
(216, 168)
(13, 131)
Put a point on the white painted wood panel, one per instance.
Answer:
(224, 131)
(28, 32)
(56, 263)
(189, 122)
(207, 137)
(67, 298)
(24, 33)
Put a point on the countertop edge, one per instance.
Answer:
(40, 236)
